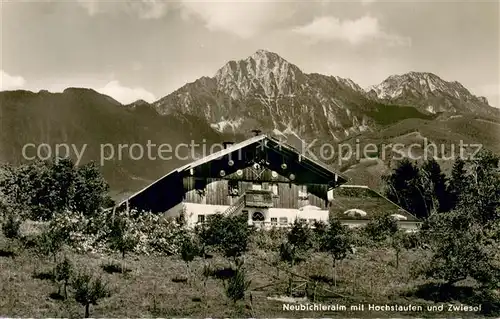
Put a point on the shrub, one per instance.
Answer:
(189, 250)
(49, 243)
(319, 230)
(237, 285)
(114, 267)
(159, 234)
(89, 290)
(269, 240)
(381, 228)
(11, 226)
(296, 248)
(62, 274)
(227, 234)
(337, 241)
(122, 235)
(461, 250)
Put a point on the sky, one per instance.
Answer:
(146, 49)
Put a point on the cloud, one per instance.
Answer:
(491, 92)
(11, 82)
(241, 18)
(143, 9)
(113, 88)
(125, 94)
(364, 29)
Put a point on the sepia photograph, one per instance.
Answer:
(249, 159)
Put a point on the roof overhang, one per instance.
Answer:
(240, 153)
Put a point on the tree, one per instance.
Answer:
(461, 250)
(62, 178)
(381, 227)
(398, 243)
(49, 243)
(421, 191)
(337, 241)
(403, 186)
(457, 182)
(297, 246)
(44, 188)
(90, 190)
(319, 230)
(63, 272)
(189, 250)
(228, 234)
(25, 189)
(89, 290)
(122, 237)
(464, 240)
(434, 185)
(49, 185)
(481, 194)
(300, 236)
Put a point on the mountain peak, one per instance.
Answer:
(262, 73)
(261, 53)
(428, 91)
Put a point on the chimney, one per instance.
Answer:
(227, 144)
(256, 132)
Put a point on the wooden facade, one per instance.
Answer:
(285, 193)
(261, 163)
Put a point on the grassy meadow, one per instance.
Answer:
(161, 286)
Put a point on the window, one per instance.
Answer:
(283, 220)
(274, 189)
(302, 220)
(258, 217)
(233, 188)
(274, 221)
(201, 218)
(257, 187)
(312, 221)
(303, 192)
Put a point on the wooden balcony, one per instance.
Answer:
(258, 198)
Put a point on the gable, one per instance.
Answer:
(268, 153)
(264, 154)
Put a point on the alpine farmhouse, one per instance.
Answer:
(270, 181)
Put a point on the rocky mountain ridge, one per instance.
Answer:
(428, 92)
(266, 91)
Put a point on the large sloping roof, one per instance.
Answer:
(363, 198)
(260, 140)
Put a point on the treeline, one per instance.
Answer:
(424, 190)
(42, 189)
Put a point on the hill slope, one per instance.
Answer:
(80, 117)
